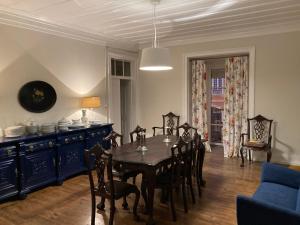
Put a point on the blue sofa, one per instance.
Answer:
(275, 202)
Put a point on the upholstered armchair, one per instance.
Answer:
(276, 200)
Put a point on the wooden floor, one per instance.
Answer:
(69, 204)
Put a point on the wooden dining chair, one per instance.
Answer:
(119, 170)
(186, 131)
(198, 161)
(137, 132)
(172, 177)
(257, 138)
(106, 187)
(170, 121)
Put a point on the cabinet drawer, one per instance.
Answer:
(39, 145)
(69, 139)
(8, 152)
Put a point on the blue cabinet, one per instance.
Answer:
(31, 162)
(70, 153)
(37, 164)
(8, 172)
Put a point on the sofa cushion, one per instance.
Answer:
(277, 194)
(298, 202)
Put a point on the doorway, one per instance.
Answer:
(121, 94)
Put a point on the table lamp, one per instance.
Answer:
(89, 103)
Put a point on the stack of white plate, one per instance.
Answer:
(63, 124)
(48, 128)
(14, 131)
(32, 129)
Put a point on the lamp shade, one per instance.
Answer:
(90, 102)
(155, 59)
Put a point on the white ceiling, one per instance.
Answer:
(129, 22)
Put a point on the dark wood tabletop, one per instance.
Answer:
(158, 151)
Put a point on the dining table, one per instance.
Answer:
(157, 155)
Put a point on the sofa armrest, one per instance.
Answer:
(252, 212)
(281, 175)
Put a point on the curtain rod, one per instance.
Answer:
(218, 57)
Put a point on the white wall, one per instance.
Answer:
(73, 68)
(277, 92)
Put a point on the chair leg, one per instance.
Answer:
(93, 210)
(249, 152)
(101, 205)
(172, 205)
(124, 204)
(269, 156)
(191, 189)
(184, 198)
(112, 212)
(242, 156)
(136, 202)
(198, 182)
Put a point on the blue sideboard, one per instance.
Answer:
(31, 162)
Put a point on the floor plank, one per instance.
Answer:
(69, 204)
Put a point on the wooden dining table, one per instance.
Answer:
(158, 154)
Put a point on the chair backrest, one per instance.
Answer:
(103, 163)
(137, 131)
(179, 160)
(170, 122)
(187, 131)
(259, 128)
(112, 137)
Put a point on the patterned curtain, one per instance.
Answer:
(199, 97)
(235, 103)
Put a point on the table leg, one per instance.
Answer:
(150, 198)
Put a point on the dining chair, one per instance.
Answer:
(170, 123)
(257, 138)
(185, 130)
(106, 187)
(198, 161)
(174, 176)
(137, 132)
(119, 170)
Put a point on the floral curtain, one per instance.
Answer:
(235, 103)
(199, 97)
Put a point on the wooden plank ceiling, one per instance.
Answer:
(131, 20)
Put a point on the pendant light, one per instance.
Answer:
(155, 58)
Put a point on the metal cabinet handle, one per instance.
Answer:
(81, 137)
(9, 152)
(54, 163)
(50, 144)
(31, 147)
(16, 172)
(66, 140)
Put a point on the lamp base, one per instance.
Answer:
(84, 118)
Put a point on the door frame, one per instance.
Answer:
(133, 62)
(218, 53)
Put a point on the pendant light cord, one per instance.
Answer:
(154, 25)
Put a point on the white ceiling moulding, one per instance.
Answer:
(23, 22)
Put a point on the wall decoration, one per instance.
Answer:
(37, 96)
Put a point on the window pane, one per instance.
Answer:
(113, 66)
(127, 69)
(119, 68)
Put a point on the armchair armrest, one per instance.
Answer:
(243, 138)
(280, 175)
(253, 212)
(154, 128)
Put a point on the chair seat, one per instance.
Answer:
(121, 188)
(257, 145)
(277, 194)
(125, 173)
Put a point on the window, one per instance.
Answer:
(120, 68)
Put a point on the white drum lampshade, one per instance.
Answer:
(155, 59)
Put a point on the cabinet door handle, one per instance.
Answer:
(9, 152)
(31, 147)
(16, 172)
(66, 140)
(54, 163)
(50, 144)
